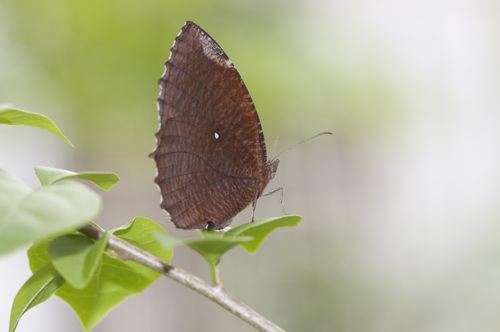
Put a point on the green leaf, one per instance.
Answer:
(76, 257)
(140, 232)
(39, 287)
(211, 246)
(259, 230)
(9, 116)
(49, 175)
(114, 279)
(28, 215)
(38, 253)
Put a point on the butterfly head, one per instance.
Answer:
(272, 167)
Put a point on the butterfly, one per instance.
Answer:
(211, 154)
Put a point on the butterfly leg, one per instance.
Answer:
(254, 206)
(280, 189)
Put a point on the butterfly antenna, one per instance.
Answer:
(302, 142)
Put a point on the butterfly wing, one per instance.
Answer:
(210, 153)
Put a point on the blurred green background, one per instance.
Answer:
(400, 206)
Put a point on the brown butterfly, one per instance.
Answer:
(210, 155)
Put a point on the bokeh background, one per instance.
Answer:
(401, 228)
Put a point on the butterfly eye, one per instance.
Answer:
(216, 135)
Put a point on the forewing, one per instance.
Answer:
(211, 151)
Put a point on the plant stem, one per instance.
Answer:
(127, 251)
(214, 274)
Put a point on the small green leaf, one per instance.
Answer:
(39, 287)
(28, 215)
(49, 175)
(76, 257)
(38, 253)
(114, 279)
(211, 246)
(259, 230)
(9, 116)
(168, 241)
(141, 232)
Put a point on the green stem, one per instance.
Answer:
(214, 273)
